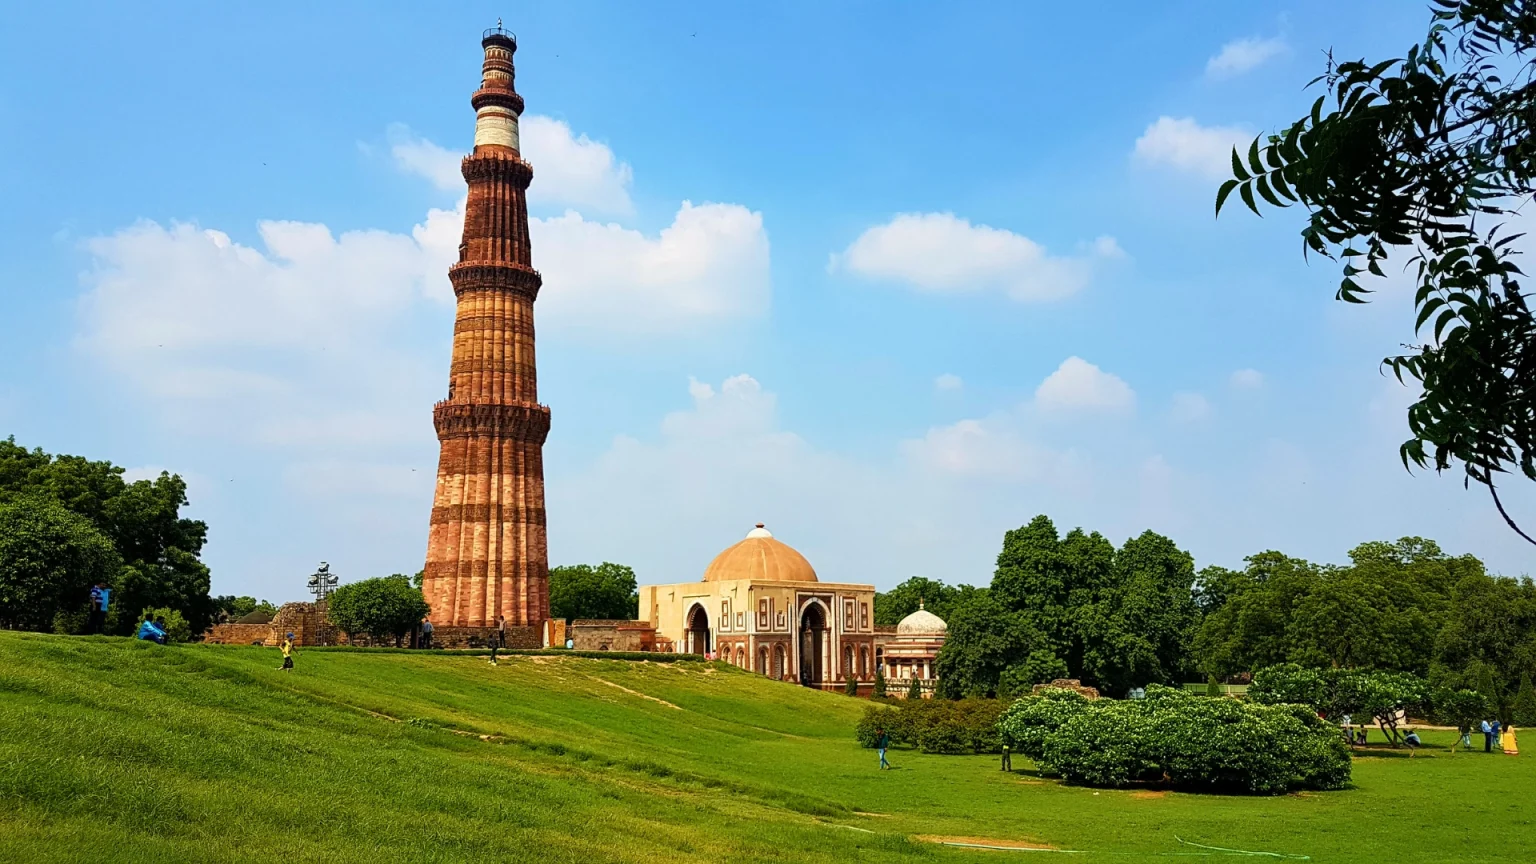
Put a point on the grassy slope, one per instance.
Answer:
(123, 751)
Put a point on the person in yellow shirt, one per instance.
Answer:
(1510, 747)
(287, 647)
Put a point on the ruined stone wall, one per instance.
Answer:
(600, 635)
(238, 634)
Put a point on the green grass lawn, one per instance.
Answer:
(114, 750)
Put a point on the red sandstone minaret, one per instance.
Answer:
(486, 552)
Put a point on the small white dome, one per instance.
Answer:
(759, 531)
(922, 623)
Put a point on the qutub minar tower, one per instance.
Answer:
(486, 550)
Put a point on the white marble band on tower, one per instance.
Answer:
(496, 124)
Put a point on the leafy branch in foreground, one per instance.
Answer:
(1430, 153)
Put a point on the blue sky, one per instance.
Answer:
(889, 277)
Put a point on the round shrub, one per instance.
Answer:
(1025, 725)
(875, 718)
(1107, 745)
(1186, 741)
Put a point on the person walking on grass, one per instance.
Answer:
(426, 633)
(1498, 735)
(883, 740)
(1510, 747)
(495, 640)
(1487, 737)
(1007, 759)
(287, 647)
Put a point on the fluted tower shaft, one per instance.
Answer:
(486, 549)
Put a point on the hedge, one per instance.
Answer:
(1177, 738)
(935, 725)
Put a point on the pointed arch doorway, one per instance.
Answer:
(698, 630)
(813, 626)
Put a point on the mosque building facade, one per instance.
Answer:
(761, 606)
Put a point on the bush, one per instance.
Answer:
(1026, 723)
(878, 691)
(944, 737)
(935, 725)
(176, 627)
(852, 686)
(1216, 745)
(875, 718)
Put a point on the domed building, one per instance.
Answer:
(761, 606)
(911, 652)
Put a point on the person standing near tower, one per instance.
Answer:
(487, 555)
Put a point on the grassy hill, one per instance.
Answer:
(113, 750)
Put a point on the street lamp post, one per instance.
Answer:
(321, 583)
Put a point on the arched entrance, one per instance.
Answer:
(698, 630)
(778, 662)
(813, 623)
(762, 660)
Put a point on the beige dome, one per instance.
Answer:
(922, 623)
(760, 557)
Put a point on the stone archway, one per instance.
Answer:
(778, 662)
(847, 662)
(762, 660)
(741, 657)
(698, 630)
(863, 662)
(813, 626)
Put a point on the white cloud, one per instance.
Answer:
(710, 264)
(569, 170)
(940, 252)
(1189, 408)
(307, 336)
(1247, 379)
(948, 381)
(1183, 144)
(573, 170)
(416, 155)
(1244, 55)
(1079, 385)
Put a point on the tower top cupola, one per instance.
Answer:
(497, 105)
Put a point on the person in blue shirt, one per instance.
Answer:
(148, 630)
(100, 595)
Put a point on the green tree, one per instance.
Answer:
(158, 548)
(235, 608)
(1149, 615)
(915, 689)
(1462, 708)
(1040, 667)
(878, 691)
(899, 602)
(49, 559)
(984, 639)
(606, 591)
(384, 608)
(1523, 710)
(851, 686)
(1429, 156)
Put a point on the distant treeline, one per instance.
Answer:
(1075, 606)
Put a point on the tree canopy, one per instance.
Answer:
(49, 559)
(899, 602)
(158, 549)
(384, 608)
(606, 591)
(1073, 606)
(1428, 158)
